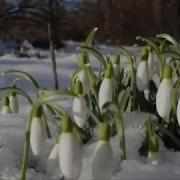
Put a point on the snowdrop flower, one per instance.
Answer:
(14, 104)
(116, 66)
(70, 151)
(37, 134)
(153, 152)
(83, 74)
(5, 106)
(164, 94)
(178, 111)
(102, 158)
(142, 75)
(151, 63)
(106, 89)
(79, 106)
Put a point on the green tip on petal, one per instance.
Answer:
(109, 71)
(104, 131)
(66, 124)
(84, 59)
(153, 144)
(168, 71)
(116, 59)
(78, 87)
(145, 54)
(6, 101)
(38, 112)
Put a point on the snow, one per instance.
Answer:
(12, 127)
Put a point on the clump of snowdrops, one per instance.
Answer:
(148, 83)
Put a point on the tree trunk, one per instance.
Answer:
(51, 46)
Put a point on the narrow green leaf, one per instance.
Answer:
(18, 91)
(96, 54)
(24, 76)
(123, 98)
(90, 37)
(169, 38)
(149, 42)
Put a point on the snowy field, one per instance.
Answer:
(12, 127)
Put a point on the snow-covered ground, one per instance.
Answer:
(12, 128)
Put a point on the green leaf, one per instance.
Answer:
(123, 98)
(18, 91)
(96, 54)
(169, 38)
(149, 42)
(24, 76)
(165, 131)
(90, 37)
(93, 116)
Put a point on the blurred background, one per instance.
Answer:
(119, 21)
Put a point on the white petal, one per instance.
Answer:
(53, 158)
(5, 110)
(116, 68)
(164, 99)
(142, 76)
(153, 157)
(14, 104)
(178, 112)
(37, 137)
(105, 92)
(70, 156)
(102, 162)
(54, 152)
(83, 77)
(151, 64)
(79, 111)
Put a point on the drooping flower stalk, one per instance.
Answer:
(102, 159)
(70, 151)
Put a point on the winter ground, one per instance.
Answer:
(12, 127)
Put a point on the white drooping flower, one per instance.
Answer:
(106, 88)
(102, 158)
(83, 73)
(164, 94)
(79, 106)
(142, 74)
(5, 106)
(116, 66)
(151, 63)
(70, 151)
(178, 111)
(37, 135)
(83, 77)
(153, 150)
(14, 104)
